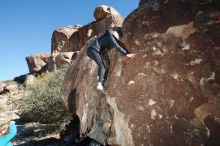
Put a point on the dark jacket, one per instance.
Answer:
(107, 41)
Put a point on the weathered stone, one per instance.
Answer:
(181, 75)
(96, 28)
(63, 58)
(104, 11)
(37, 63)
(60, 39)
(20, 79)
(58, 60)
(51, 63)
(78, 91)
(29, 79)
(213, 125)
(82, 105)
(62, 42)
(2, 87)
(166, 94)
(11, 88)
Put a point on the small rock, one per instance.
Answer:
(12, 87)
(104, 11)
(30, 79)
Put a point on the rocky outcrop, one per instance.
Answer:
(96, 28)
(168, 94)
(25, 79)
(80, 37)
(73, 39)
(29, 79)
(37, 63)
(6, 88)
(103, 11)
(58, 60)
(60, 39)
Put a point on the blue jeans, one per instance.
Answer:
(94, 55)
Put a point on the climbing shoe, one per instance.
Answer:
(100, 86)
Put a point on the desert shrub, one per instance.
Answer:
(41, 75)
(44, 104)
(2, 108)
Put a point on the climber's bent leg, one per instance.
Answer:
(94, 55)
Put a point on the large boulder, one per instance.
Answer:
(177, 83)
(29, 79)
(82, 100)
(169, 94)
(58, 60)
(103, 11)
(60, 39)
(37, 63)
(25, 79)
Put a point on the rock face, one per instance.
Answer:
(104, 11)
(73, 90)
(37, 63)
(60, 39)
(177, 83)
(169, 94)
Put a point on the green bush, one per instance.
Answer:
(44, 104)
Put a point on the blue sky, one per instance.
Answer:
(26, 27)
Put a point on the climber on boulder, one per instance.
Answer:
(104, 43)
